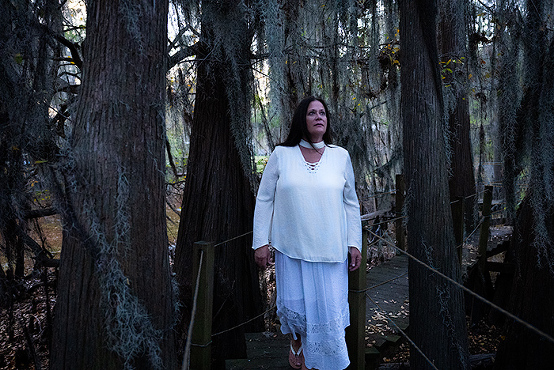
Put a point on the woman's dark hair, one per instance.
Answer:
(298, 128)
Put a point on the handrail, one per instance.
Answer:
(469, 291)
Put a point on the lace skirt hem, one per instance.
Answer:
(312, 301)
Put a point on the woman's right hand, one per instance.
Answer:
(262, 256)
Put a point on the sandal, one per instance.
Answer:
(296, 358)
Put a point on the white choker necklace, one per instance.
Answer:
(305, 144)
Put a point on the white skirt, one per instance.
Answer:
(312, 301)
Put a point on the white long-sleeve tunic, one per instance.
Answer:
(308, 212)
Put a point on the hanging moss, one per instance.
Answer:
(319, 48)
(542, 165)
(128, 326)
(508, 98)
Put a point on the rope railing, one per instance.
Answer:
(365, 290)
(475, 229)
(472, 293)
(189, 344)
(508, 314)
(253, 318)
(378, 285)
(378, 194)
(386, 281)
(234, 238)
(465, 239)
(481, 220)
(393, 191)
(473, 195)
(388, 220)
(246, 322)
(468, 196)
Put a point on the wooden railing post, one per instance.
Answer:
(484, 232)
(355, 333)
(458, 221)
(399, 205)
(481, 279)
(200, 353)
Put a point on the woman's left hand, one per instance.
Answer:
(355, 258)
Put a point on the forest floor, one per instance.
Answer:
(25, 330)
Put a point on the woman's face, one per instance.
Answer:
(316, 121)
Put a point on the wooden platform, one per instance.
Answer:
(265, 351)
(387, 300)
(388, 287)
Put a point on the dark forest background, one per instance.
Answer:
(113, 111)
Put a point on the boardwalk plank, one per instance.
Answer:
(264, 351)
(388, 288)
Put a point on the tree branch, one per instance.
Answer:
(73, 48)
(42, 212)
(185, 52)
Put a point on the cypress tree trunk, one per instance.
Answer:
(218, 203)
(454, 63)
(296, 80)
(115, 306)
(510, 108)
(532, 249)
(531, 298)
(437, 319)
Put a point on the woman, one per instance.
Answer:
(307, 209)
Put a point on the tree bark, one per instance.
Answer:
(531, 299)
(115, 306)
(452, 31)
(295, 84)
(532, 251)
(437, 319)
(509, 113)
(218, 202)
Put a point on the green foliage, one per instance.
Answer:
(261, 162)
(18, 58)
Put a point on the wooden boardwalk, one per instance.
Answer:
(265, 351)
(387, 300)
(388, 288)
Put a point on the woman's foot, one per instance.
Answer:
(296, 355)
